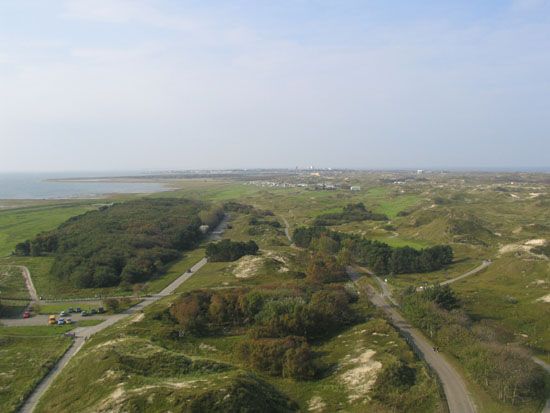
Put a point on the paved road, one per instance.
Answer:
(83, 333)
(386, 292)
(483, 265)
(455, 389)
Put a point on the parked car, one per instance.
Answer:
(84, 313)
(62, 314)
(78, 310)
(26, 314)
(93, 311)
(61, 321)
(70, 310)
(68, 321)
(52, 320)
(100, 310)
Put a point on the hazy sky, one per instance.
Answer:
(176, 84)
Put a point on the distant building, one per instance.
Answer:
(419, 171)
(355, 188)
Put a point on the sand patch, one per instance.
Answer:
(536, 242)
(361, 378)
(545, 299)
(115, 401)
(207, 347)
(525, 247)
(137, 318)
(111, 342)
(279, 259)
(316, 404)
(248, 266)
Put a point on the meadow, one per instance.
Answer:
(19, 224)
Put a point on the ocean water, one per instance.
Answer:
(38, 186)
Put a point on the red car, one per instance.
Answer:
(26, 314)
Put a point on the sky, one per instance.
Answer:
(206, 84)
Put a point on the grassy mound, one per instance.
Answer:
(134, 375)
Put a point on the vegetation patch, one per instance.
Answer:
(227, 250)
(125, 243)
(508, 374)
(26, 356)
(350, 213)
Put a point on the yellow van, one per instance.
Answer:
(52, 320)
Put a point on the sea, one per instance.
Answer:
(44, 186)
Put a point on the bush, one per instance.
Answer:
(111, 304)
(227, 250)
(286, 357)
(271, 313)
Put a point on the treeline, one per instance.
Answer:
(227, 250)
(280, 322)
(507, 373)
(350, 213)
(126, 243)
(379, 256)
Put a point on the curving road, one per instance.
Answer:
(83, 333)
(455, 389)
(484, 264)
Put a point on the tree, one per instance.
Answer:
(227, 250)
(111, 304)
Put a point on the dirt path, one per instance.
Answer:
(83, 333)
(483, 265)
(28, 282)
(287, 229)
(455, 389)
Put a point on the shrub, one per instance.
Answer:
(227, 250)
(286, 357)
(111, 304)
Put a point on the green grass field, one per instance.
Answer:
(12, 285)
(17, 225)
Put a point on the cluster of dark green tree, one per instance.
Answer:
(378, 256)
(126, 243)
(350, 213)
(279, 322)
(506, 372)
(227, 250)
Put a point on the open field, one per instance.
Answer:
(12, 285)
(17, 225)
